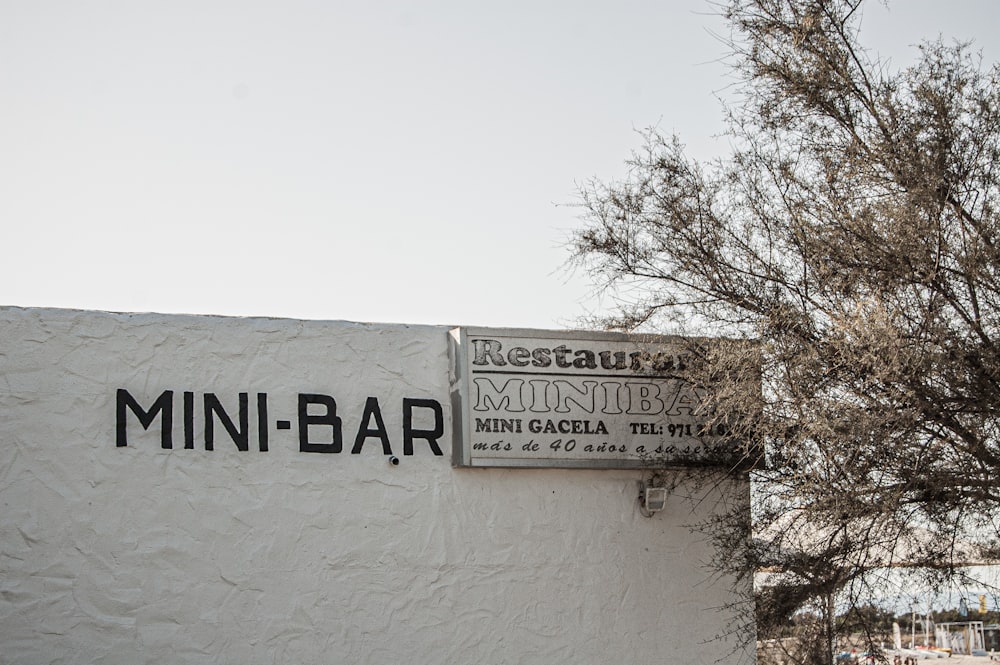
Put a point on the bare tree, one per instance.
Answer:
(853, 233)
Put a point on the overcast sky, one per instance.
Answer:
(370, 161)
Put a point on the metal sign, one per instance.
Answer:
(531, 398)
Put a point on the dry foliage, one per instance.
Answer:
(852, 233)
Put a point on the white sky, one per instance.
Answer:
(369, 161)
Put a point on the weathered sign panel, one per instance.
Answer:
(533, 398)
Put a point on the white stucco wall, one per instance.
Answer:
(141, 554)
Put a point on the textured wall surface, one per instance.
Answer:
(136, 553)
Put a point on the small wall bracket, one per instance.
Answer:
(652, 499)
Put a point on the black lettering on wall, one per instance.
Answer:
(163, 406)
(316, 413)
(330, 418)
(364, 431)
(188, 420)
(262, 421)
(430, 435)
(240, 436)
